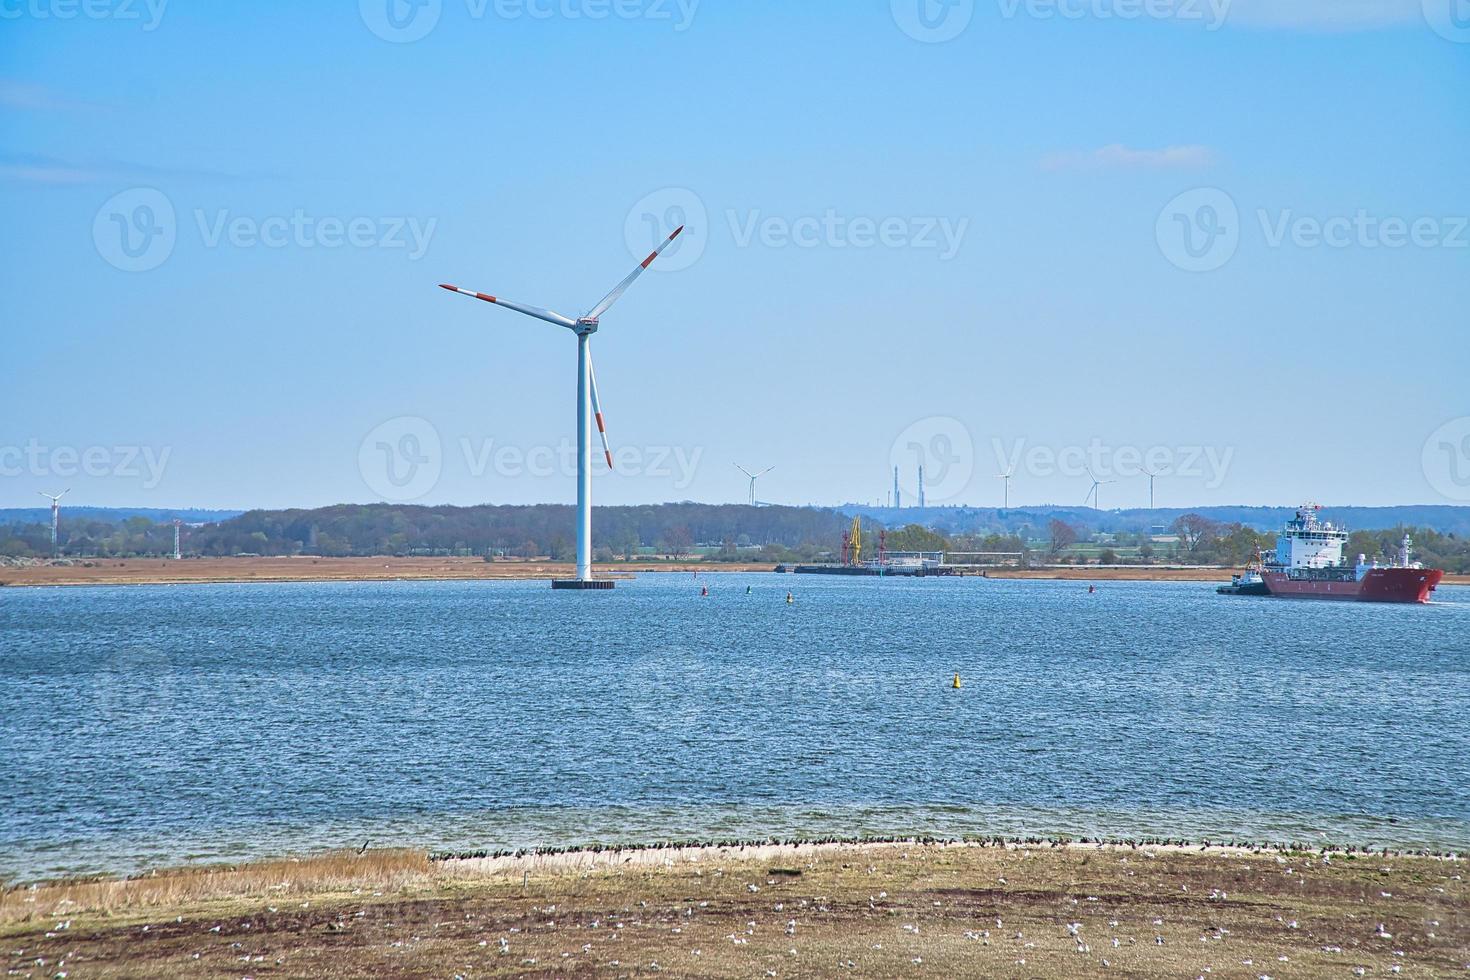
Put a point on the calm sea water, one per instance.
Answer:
(158, 725)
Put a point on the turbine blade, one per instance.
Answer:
(622, 287)
(550, 316)
(597, 409)
(745, 471)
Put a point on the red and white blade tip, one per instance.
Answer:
(654, 254)
(601, 427)
(467, 292)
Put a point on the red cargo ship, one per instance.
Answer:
(1309, 564)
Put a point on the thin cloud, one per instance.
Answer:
(27, 97)
(28, 168)
(1116, 156)
(1325, 15)
(32, 168)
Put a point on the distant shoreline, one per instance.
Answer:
(200, 571)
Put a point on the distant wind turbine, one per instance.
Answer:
(1151, 475)
(56, 516)
(1092, 493)
(1006, 476)
(584, 327)
(753, 478)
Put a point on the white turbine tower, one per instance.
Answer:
(753, 478)
(1092, 494)
(1151, 476)
(588, 405)
(1006, 476)
(55, 499)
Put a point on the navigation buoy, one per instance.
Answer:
(747, 590)
(704, 591)
(956, 682)
(1091, 589)
(790, 598)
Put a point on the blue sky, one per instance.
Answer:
(226, 223)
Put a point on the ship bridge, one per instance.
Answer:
(1307, 542)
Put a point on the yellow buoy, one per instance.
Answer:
(956, 682)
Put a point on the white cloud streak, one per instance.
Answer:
(1116, 156)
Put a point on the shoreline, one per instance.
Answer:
(587, 857)
(591, 857)
(823, 908)
(220, 571)
(239, 571)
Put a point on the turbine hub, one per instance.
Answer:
(586, 326)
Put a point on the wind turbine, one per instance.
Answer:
(1092, 494)
(753, 478)
(1151, 475)
(584, 327)
(1006, 476)
(55, 499)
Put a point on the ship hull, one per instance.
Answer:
(1378, 585)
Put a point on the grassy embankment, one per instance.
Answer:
(824, 910)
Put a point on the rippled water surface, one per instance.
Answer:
(158, 725)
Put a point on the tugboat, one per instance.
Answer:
(1249, 582)
(1309, 564)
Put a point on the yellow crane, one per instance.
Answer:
(855, 542)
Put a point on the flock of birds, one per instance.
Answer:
(1291, 847)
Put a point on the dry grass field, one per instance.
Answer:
(892, 910)
(158, 571)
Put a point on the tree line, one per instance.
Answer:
(351, 530)
(718, 532)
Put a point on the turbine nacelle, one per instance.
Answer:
(586, 326)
